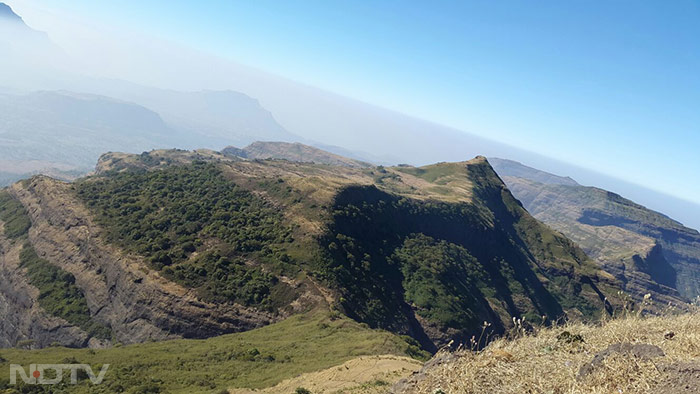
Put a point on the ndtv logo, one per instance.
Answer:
(37, 373)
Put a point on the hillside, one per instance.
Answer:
(292, 152)
(256, 359)
(173, 244)
(627, 355)
(639, 246)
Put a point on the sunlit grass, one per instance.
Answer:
(253, 359)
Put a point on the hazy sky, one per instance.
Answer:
(613, 86)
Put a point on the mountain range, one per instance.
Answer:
(627, 239)
(285, 111)
(62, 133)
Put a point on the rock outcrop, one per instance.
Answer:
(136, 304)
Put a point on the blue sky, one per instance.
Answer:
(613, 86)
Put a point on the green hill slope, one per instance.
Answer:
(172, 244)
(254, 359)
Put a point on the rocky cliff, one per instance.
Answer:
(649, 252)
(137, 304)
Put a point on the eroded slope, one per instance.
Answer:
(647, 251)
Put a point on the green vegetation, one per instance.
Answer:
(254, 359)
(457, 264)
(13, 214)
(220, 278)
(196, 227)
(58, 294)
(432, 173)
(442, 279)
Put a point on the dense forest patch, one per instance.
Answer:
(196, 227)
(442, 279)
(454, 264)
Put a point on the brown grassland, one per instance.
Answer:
(550, 360)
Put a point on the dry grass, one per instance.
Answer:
(546, 363)
(362, 375)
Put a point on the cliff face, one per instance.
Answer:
(23, 320)
(137, 305)
(648, 252)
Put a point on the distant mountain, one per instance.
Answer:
(63, 133)
(29, 57)
(292, 152)
(17, 34)
(225, 116)
(218, 117)
(629, 240)
(513, 168)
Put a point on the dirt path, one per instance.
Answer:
(368, 374)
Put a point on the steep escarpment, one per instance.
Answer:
(437, 270)
(24, 321)
(134, 303)
(647, 251)
(40, 303)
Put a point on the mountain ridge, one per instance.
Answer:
(292, 152)
(319, 248)
(619, 233)
(7, 13)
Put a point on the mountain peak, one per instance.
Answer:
(7, 14)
